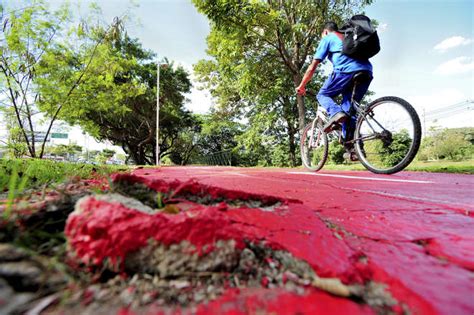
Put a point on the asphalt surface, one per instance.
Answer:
(412, 231)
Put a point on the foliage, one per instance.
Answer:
(36, 44)
(93, 75)
(396, 151)
(65, 149)
(92, 154)
(36, 172)
(118, 101)
(336, 152)
(453, 144)
(15, 145)
(213, 134)
(108, 153)
(441, 166)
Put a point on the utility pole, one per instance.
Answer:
(424, 123)
(158, 114)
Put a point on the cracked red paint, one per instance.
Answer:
(110, 230)
(377, 224)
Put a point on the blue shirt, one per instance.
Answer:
(331, 47)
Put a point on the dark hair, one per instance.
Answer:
(331, 26)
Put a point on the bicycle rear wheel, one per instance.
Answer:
(387, 135)
(314, 147)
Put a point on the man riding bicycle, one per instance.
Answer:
(339, 82)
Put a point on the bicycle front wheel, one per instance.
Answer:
(314, 147)
(387, 135)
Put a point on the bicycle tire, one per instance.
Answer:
(410, 152)
(321, 155)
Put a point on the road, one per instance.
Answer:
(416, 229)
(410, 234)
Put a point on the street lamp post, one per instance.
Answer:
(158, 114)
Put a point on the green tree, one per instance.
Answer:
(93, 154)
(453, 144)
(217, 134)
(68, 151)
(36, 43)
(117, 101)
(108, 153)
(103, 156)
(15, 142)
(27, 35)
(59, 150)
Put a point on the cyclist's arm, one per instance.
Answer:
(307, 76)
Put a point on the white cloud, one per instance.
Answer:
(382, 28)
(452, 42)
(457, 65)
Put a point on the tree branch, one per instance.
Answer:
(74, 86)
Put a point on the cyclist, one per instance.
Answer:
(339, 82)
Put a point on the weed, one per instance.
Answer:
(159, 200)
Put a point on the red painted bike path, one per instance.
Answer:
(414, 231)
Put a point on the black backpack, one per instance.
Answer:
(360, 38)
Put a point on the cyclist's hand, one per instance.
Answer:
(301, 90)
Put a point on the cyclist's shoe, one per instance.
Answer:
(334, 121)
(351, 156)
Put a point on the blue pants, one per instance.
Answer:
(336, 84)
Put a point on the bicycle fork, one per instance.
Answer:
(321, 116)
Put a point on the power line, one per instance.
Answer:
(446, 112)
(449, 112)
(446, 115)
(451, 107)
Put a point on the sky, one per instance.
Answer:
(426, 57)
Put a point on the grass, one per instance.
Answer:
(465, 167)
(442, 166)
(17, 175)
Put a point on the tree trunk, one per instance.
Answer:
(289, 114)
(134, 154)
(300, 102)
(292, 147)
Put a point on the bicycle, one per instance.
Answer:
(385, 139)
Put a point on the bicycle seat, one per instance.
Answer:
(361, 76)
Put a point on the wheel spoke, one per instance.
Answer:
(387, 136)
(314, 148)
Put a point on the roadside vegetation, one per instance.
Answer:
(24, 174)
(441, 150)
(443, 166)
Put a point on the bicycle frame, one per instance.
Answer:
(360, 111)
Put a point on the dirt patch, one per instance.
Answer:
(155, 191)
(160, 277)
